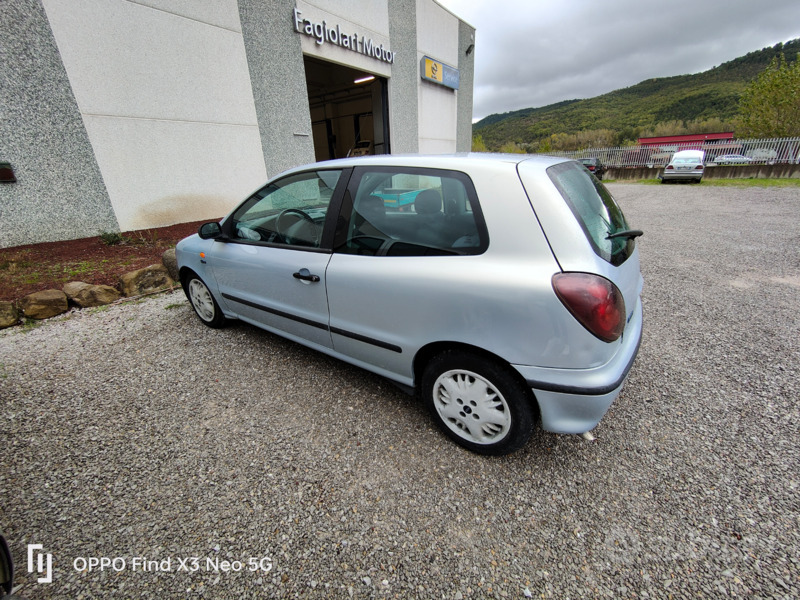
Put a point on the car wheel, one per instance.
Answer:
(478, 403)
(203, 302)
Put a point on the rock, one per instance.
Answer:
(169, 260)
(87, 294)
(144, 281)
(45, 304)
(9, 315)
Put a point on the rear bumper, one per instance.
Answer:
(689, 175)
(575, 400)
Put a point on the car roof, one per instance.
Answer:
(456, 162)
(688, 154)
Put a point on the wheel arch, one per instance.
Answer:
(427, 352)
(184, 274)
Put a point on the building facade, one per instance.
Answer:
(121, 115)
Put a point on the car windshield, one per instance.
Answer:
(595, 209)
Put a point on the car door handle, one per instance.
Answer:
(305, 275)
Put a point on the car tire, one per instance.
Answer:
(203, 302)
(478, 402)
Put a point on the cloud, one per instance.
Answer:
(531, 53)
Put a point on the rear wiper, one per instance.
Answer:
(626, 233)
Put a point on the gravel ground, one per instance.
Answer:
(136, 433)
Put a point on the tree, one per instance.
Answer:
(511, 148)
(478, 145)
(770, 105)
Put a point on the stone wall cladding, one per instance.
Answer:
(466, 67)
(281, 98)
(59, 192)
(403, 101)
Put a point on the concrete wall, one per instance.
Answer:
(753, 171)
(437, 37)
(164, 92)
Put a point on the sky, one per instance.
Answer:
(531, 53)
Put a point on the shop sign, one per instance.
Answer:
(324, 33)
(438, 72)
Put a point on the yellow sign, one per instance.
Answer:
(434, 70)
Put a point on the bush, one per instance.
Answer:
(111, 238)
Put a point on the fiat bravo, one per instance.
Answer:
(504, 290)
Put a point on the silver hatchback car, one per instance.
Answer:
(503, 289)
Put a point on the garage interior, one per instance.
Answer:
(347, 118)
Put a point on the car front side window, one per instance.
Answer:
(290, 211)
(411, 212)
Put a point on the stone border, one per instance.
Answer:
(50, 303)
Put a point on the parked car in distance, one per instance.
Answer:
(507, 291)
(594, 165)
(659, 159)
(686, 165)
(732, 159)
(763, 155)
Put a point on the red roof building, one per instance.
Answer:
(696, 138)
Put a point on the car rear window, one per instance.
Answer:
(595, 209)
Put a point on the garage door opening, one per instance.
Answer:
(349, 111)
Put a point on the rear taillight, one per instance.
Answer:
(594, 301)
(699, 167)
(670, 167)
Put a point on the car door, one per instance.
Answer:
(408, 240)
(270, 270)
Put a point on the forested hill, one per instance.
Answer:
(651, 107)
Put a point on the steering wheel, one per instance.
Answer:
(282, 226)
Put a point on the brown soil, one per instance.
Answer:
(98, 260)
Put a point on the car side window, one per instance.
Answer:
(410, 212)
(290, 211)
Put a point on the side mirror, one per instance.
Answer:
(6, 567)
(210, 231)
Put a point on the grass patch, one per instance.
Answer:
(30, 324)
(81, 268)
(737, 183)
(99, 309)
(31, 277)
(173, 306)
(744, 183)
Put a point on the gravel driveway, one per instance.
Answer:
(137, 435)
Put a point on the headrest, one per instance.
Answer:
(428, 202)
(371, 206)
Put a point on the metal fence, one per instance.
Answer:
(770, 152)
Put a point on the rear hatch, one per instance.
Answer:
(585, 227)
